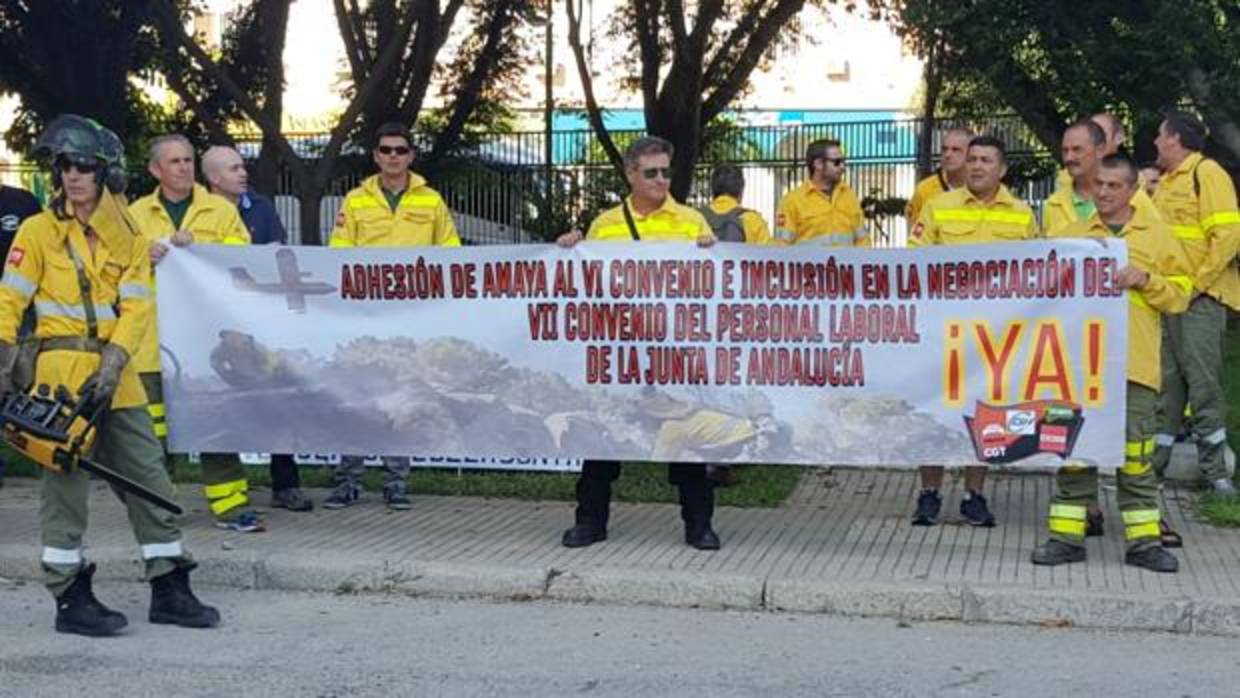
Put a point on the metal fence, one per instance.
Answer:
(498, 186)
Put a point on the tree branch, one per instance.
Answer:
(593, 112)
(647, 15)
(1224, 130)
(759, 42)
(502, 18)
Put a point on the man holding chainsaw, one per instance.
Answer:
(83, 268)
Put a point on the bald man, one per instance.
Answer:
(226, 176)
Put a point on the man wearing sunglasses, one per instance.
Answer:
(85, 269)
(648, 214)
(394, 208)
(182, 212)
(823, 210)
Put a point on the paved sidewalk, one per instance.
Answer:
(842, 544)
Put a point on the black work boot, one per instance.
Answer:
(173, 603)
(79, 612)
(1054, 552)
(593, 509)
(697, 507)
(1153, 558)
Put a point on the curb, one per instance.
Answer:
(905, 602)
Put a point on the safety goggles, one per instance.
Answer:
(83, 165)
(394, 150)
(653, 172)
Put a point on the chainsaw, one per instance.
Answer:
(58, 433)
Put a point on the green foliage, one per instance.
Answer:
(757, 485)
(1053, 62)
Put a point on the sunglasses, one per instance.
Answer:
(838, 162)
(82, 165)
(394, 150)
(653, 172)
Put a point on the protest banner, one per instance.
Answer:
(998, 353)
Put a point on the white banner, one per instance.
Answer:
(951, 355)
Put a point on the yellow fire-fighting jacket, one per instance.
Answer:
(421, 218)
(671, 222)
(1198, 201)
(1058, 211)
(211, 219)
(1152, 249)
(959, 218)
(40, 269)
(756, 231)
(927, 189)
(808, 216)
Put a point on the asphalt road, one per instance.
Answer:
(289, 644)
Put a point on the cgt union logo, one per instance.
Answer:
(1009, 433)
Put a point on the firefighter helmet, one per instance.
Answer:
(72, 137)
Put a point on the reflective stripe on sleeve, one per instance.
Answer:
(1220, 218)
(19, 283)
(127, 291)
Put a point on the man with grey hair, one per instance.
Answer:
(182, 211)
(949, 176)
(648, 214)
(226, 176)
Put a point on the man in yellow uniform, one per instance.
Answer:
(823, 210)
(394, 208)
(948, 177)
(184, 212)
(1197, 199)
(730, 221)
(1157, 282)
(83, 267)
(1115, 138)
(648, 214)
(1081, 149)
(984, 211)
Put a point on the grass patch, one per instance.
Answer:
(757, 486)
(1225, 511)
(1220, 510)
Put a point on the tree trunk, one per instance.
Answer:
(273, 17)
(308, 197)
(934, 86)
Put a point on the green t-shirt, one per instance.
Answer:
(393, 197)
(1084, 207)
(176, 209)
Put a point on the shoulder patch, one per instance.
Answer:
(16, 255)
